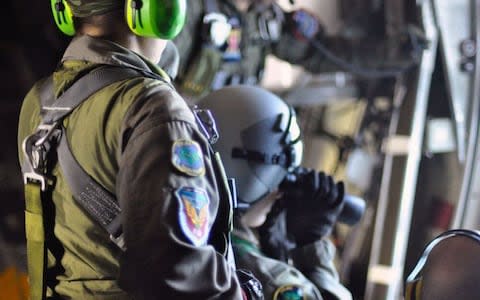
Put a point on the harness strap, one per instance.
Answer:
(82, 89)
(35, 234)
(98, 202)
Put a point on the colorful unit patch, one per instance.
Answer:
(194, 214)
(187, 157)
(289, 292)
(233, 51)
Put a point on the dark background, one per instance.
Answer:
(29, 49)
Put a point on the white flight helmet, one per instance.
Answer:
(259, 138)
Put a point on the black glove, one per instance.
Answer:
(313, 203)
(251, 287)
(273, 236)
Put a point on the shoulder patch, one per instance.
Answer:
(194, 214)
(289, 292)
(187, 157)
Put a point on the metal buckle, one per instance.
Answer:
(36, 177)
(34, 151)
(206, 122)
(119, 241)
(49, 128)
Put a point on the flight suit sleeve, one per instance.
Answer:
(315, 261)
(169, 198)
(280, 280)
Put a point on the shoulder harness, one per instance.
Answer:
(39, 148)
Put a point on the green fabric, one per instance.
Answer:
(78, 246)
(273, 274)
(85, 8)
(244, 246)
(86, 252)
(200, 75)
(199, 63)
(35, 234)
(312, 270)
(122, 136)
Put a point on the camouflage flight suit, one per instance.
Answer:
(312, 275)
(139, 140)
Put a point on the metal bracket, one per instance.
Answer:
(119, 241)
(34, 152)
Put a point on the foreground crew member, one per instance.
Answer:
(123, 194)
(261, 147)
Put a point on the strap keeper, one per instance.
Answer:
(114, 228)
(119, 241)
(49, 128)
(36, 178)
(35, 151)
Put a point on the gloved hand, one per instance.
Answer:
(313, 203)
(251, 286)
(273, 237)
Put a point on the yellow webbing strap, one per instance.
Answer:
(35, 233)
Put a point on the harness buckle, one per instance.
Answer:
(49, 130)
(119, 241)
(36, 177)
(35, 152)
(206, 123)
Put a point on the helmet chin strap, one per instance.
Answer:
(243, 206)
(256, 216)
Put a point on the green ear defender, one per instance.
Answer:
(63, 16)
(156, 18)
(151, 18)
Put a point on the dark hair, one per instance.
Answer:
(106, 20)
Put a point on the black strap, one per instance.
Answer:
(97, 201)
(261, 157)
(93, 197)
(80, 91)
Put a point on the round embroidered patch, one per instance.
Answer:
(289, 292)
(187, 157)
(194, 214)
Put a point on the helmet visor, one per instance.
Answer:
(293, 139)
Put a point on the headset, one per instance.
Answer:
(216, 29)
(414, 282)
(150, 18)
(270, 20)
